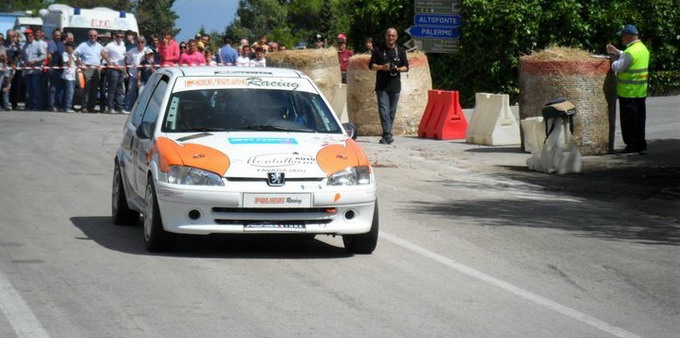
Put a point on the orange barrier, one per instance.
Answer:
(443, 118)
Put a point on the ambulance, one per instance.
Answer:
(80, 20)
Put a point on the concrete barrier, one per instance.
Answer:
(492, 121)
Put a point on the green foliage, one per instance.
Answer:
(119, 5)
(665, 82)
(496, 33)
(156, 17)
(8, 6)
(255, 18)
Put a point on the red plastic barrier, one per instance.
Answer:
(443, 118)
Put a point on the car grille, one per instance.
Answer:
(224, 215)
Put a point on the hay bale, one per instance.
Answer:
(585, 81)
(321, 65)
(362, 104)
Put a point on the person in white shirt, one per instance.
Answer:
(133, 58)
(244, 58)
(259, 60)
(69, 76)
(115, 58)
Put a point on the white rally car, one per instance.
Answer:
(237, 150)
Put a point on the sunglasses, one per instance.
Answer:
(93, 35)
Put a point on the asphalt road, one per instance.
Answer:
(466, 250)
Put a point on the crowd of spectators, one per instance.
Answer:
(111, 69)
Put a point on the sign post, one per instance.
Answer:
(436, 26)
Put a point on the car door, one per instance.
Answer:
(130, 137)
(144, 146)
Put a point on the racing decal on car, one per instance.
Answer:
(290, 84)
(210, 82)
(191, 155)
(278, 83)
(281, 160)
(334, 158)
(262, 140)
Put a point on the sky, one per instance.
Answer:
(212, 14)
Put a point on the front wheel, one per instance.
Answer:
(363, 243)
(156, 238)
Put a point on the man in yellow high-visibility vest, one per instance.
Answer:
(631, 67)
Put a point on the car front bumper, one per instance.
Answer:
(330, 210)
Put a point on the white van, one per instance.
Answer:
(80, 20)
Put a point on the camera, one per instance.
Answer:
(394, 69)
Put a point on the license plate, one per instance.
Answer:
(277, 200)
(273, 227)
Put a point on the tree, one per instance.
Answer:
(21, 5)
(119, 5)
(255, 18)
(155, 17)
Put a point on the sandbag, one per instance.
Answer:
(362, 103)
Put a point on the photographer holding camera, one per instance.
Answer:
(389, 61)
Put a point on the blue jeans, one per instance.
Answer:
(115, 90)
(387, 107)
(132, 93)
(56, 91)
(69, 88)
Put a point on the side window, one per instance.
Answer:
(143, 101)
(156, 100)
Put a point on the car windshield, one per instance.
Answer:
(247, 109)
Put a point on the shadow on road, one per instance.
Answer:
(648, 183)
(129, 239)
(575, 216)
(628, 179)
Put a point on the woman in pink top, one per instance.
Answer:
(193, 56)
(168, 50)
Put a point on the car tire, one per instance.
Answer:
(120, 211)
(156, 239)
(363, 243)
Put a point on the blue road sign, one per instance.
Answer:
(445, 20)
(433, 32)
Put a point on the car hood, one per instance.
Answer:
(244, 155)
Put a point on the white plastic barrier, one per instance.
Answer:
(339, 102)
(534, 133)
(559, 154)
(492, 121)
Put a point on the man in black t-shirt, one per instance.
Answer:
(389, 62)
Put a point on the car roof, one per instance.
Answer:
(232, 71)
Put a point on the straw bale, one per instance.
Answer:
(587, 82)
(321, 65)
(362, 103)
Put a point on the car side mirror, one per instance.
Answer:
(350, 129)
(145, 130)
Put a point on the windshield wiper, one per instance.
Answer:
(276, 128)
(206, 129)
(193, 136)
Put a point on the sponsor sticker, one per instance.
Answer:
(261, 140)
(274, 228)
(277, 200)
(281, 160)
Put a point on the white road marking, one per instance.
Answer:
(18, 314)
(528, 295)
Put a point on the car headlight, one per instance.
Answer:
(351, 176)
(178, 174)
